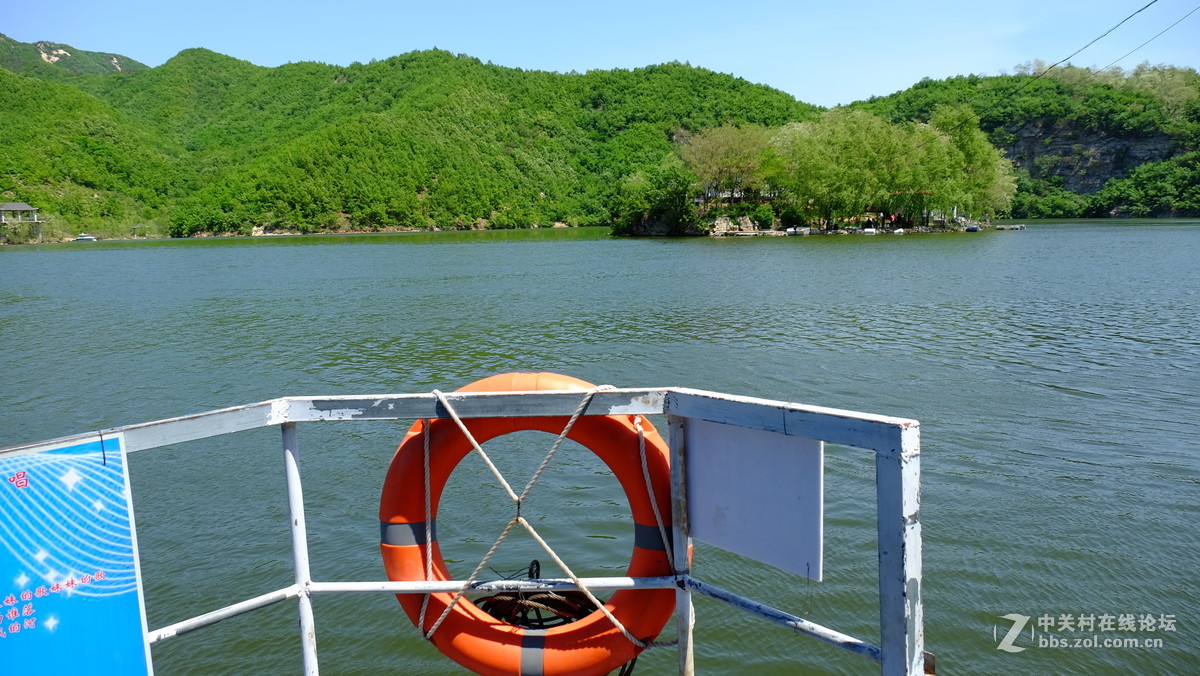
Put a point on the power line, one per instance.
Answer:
(1194, 10)
(1097, 39)
(1035, 77)
(1038, 76)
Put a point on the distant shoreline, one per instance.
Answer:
(998, 225)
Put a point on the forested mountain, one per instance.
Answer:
(208, 143)
(73, 154)
(427, 139)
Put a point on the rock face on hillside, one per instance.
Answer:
(1083, 160)
(22, 57)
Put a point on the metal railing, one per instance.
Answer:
(895, 442)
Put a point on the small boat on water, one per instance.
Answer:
(1011, 226)
(869, 231)
(972, 228)
(84, 237)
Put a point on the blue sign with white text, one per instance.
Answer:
(70, 594)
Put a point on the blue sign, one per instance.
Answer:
(70, 590)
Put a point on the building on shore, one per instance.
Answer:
(18, 216)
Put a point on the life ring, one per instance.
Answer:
(472, 637)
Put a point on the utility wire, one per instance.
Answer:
(1038, 76)
(981, 113)
(1098, 38)
(1194, 10)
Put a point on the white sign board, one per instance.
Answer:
(756, 493)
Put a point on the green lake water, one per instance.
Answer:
(1055, 372)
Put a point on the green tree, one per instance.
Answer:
(1167, 188)
(980, 179)
(849, 161)
(661, 200)
(837, 165)
(728, 160)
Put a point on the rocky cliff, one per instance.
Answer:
(1083, 161)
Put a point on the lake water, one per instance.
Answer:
(1055, 371)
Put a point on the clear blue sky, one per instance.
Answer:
(824, 53)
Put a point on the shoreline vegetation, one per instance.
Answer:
(209, 145)
(742, 228)
(723, 227)
(842, 166)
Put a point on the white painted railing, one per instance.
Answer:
(895, 442)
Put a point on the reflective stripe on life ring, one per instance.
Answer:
(472, 637)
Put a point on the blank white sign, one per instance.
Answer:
(756, 493)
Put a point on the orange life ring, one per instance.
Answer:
(472, 637)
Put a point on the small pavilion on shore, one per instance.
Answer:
(16, 214)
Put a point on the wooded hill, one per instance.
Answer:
(1087, 143)
(208, 143)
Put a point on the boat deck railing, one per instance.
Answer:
(894, 441)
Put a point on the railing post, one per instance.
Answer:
(681, 544)
(291, 461)
(897, 481)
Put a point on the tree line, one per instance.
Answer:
(841, 165)
(209, 144)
